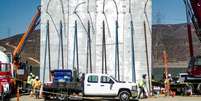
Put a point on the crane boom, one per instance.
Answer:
(20, 70)
(193, 13)
(193, 8)
(31, 28)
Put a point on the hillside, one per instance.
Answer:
(172, 38)
(31, 51)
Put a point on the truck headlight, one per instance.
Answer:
(134, 87)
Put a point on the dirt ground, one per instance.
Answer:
(176, 98)
(26, 98)
(161, 98)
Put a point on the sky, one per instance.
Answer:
(16, 15)
(168, 12)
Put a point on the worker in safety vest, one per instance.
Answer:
(167, 83)
(36, 86)
(30, 80)
(29, 83)
(142, 85)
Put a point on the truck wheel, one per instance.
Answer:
(62, 97)
(124, 96)
(2, 97)
(199, 88)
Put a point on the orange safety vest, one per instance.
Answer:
(36, 84)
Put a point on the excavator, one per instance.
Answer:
(20, 69)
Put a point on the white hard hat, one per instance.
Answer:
(36, 77)
(169, 75)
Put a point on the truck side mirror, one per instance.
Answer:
(111, 81)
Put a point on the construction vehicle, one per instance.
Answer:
(7, 84)
(91, 86)
(20, 69)
(95, 85)
(194, 69)
(193, 75)
(61, 85)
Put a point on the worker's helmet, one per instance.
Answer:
(37, 77)
(30, 74)
(169, 75)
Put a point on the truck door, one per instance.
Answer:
(91, 85)
(106, 85)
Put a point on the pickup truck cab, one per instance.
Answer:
(106, 85)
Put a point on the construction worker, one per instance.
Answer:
(170, 77)
(36, 87)
(29, 82)
(32, 80)
(142, 85)
(188, 90)
(82, 80)
(167, 83)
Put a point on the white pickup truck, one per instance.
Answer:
(92, 85)
(106, 85)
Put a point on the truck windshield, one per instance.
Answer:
(197, 62)
(5, 68)
(62, 76)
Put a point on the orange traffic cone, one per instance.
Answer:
(18, 94)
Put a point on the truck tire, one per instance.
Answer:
(62, 98)
(199, 88)
(2, 97)
(124, 95)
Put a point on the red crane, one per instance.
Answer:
(193, 13)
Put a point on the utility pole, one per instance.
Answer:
(75, 49)
(117, 53)
(61, 38)
(104, 58)
(49, 55)
(147, 57)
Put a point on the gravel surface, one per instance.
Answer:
(26, 98)
(161, 98)
(176, 98)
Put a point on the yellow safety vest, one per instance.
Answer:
(141, 83)
(29, 79)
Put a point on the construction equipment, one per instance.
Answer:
(92, 86)
(20, 69)
(61, 86)
(193, 13)
(6, 81)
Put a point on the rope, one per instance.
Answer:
(146, 16)
(90, 17)
(79, 16)
(132, 44)
(109, 32)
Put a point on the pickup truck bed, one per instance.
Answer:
(61, 90)
(93, 85)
